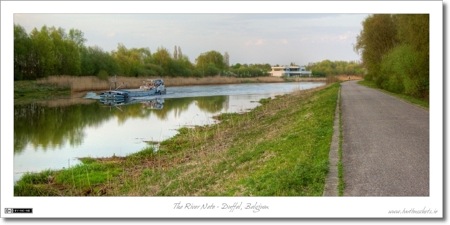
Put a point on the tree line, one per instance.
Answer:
(329, 68)
(395, 51)
(52, 51)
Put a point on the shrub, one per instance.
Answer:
(103, 75)
(402, 72)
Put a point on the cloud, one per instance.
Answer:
(255, 42)
(111, 34)
(341, 37)
(283, 41)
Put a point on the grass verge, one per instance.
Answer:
(280, 148)
(341, 183)
(416, 101)
(30, 91)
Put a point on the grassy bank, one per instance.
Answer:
(29, 91)
(278, 149)
(420, 102)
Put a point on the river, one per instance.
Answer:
(54, 137)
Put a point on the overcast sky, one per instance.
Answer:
(248, 38)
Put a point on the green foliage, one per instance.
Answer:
(94, 60)
(103, 75)
(22, 57)
(210, 63)
(376, 39)
(28, 91)
(31, 184)
(52, 51)
(328, 68)
(249, 70)
(44, 52)
(395, 52)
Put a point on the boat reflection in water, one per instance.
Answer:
(155, 103)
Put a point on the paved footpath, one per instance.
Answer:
(385, 146)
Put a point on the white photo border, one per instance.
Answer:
(268, 207)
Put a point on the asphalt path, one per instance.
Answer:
(385, 146)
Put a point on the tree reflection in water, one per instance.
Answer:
(51, 127)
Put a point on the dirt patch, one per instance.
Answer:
(349, 77)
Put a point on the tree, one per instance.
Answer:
(77, 37)
(66, 53)
(395, 52)
(23, 54)
(162, 58)
(45, 53)
(376, 39)
(413, 31)
(134, 61)
(48, 51)
(95, 60)
(327, 67)
(175, 53)
(226, 59)
(180, 54)
(210, 63)
(405, 68)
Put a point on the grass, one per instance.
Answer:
(278, 149)
(30, 91)
(416, 101)
(341, 183)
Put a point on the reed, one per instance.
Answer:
(92, 83)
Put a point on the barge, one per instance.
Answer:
(149, 88)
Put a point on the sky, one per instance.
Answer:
(251, 38)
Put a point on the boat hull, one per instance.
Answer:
(126, 94)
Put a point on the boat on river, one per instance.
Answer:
(148, 88)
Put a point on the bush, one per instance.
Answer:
(402, 72)
(103, 75)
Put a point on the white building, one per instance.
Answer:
(290, 71)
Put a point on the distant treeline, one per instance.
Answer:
(329, 68)
(395, 52)
(51, 51)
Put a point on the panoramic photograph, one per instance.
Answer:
(178, 104)
(222, 105)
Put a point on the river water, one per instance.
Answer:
(54, 137)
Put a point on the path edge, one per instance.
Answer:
(332, 180)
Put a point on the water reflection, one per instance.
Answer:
(51, 127)
(44, 127)
(53, 136)
(156, 103)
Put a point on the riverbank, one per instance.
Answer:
(73, 87)
(284, 153)
(31, 91)
(90, 83)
